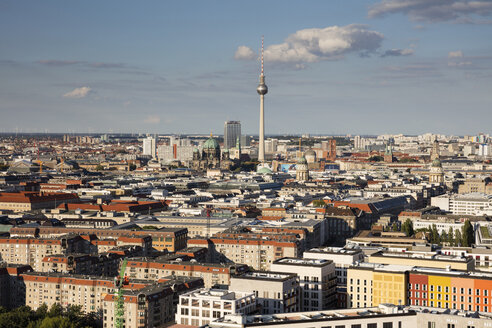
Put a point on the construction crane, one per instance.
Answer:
(119, 310)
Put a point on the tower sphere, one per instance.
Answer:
(262, 89)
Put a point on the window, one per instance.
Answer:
(356, 326)
(372, 325)
(387, 325)
(431, 324)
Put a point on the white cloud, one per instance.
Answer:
(78, 93)
(329, 43)
(152, 119)
(434, 10)
(398, 52)
(317, 44)
(244, 53)
(455, 54)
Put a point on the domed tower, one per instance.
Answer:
(262, 90)
(211, 153)
(302, 171)
(436, 174)
(435, 150)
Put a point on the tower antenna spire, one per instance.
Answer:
(262, 52)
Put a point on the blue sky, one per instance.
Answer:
(332, 67)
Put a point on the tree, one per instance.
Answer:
(451, 236)
(55, 310)
(99, 167)
(434, 235)
(132, 167)
(468, 234)
(457, 238)
(319, 203)
(407, 227)
(376, 158)
(57, 322)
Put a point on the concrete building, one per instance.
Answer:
(200, 307)
(232, 131)
(30, 200)
(32, 251)
(476, 185)
(276, 292)
(468, 204)
(317, 281)
(12, 286)
(151, 306)
(383, 316)
(150, 147)
(258, 252)
(211, 273)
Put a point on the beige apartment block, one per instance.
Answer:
(211, 273)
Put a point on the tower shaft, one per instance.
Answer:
(261, 151)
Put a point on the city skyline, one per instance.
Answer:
(362, 68)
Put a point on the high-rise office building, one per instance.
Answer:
(232, 131)
(150, 147)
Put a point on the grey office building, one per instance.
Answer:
(232, 131)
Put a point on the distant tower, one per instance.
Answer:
(262, 91)
(435, 150)
(302, 171)
(232, 131)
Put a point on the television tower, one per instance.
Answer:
(262, 91)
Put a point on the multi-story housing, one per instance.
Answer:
(371, 284)
(198, 308)
(68, 289)
(468, 204)
(171, 239)
(30, 200)
(12, 287)
(276, 292)
(473, 185)
(383, 316)
(417, 259)
(32, 251)
(151, 306)
(317, 281)
(211, 273)
(258, 252)
(456, 290)
(343, 259)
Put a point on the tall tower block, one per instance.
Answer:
(262, 91)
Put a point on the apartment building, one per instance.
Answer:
(211, 273)
(343, 259)
(32, 251)
(198, 308)
(317, 281)
(31, 200)
(151, 306)
(12, 287)
(256, 252)
(276, 292)
(449, 289)
(371, 284)
(67, 289)
(423, 260)
(468, 204)
(383, 316)
(170, 239)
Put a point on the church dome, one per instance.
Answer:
(436, 163)
(211, 143)
(264, 170)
